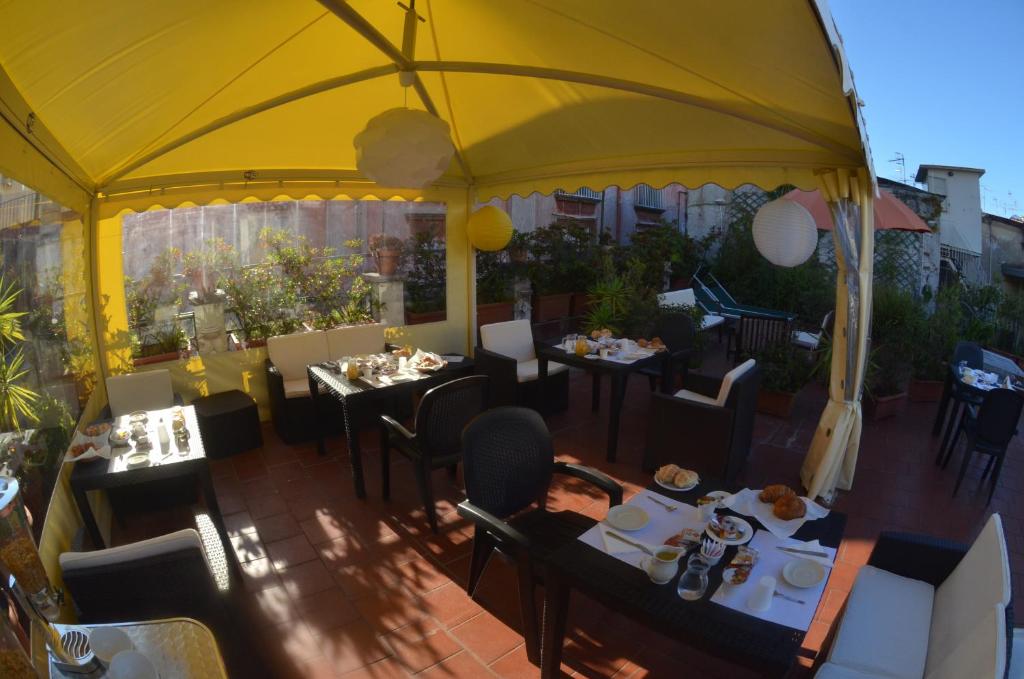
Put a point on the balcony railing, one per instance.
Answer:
(645, 196)
(19, 210)
(581, 194)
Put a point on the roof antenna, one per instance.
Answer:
(902, 163)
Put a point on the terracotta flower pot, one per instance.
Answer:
(495, 312)
(551, 307)
(388, 261)
(775, 403)
(420, 317)
(925, 391)
(883, 407)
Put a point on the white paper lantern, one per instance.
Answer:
(404, 148)
(785, 233)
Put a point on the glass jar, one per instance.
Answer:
(582, 346)
(694, 582)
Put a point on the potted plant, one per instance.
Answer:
(263, 304)
(164, 344)
(425, 285)
(896, 322)
(205, 269)
(17, 401)
(938, 336)
(494, 292)
(386, 252)
(550, 270)
(581, 266)
(785, 371)
(519, 247)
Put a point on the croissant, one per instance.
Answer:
(775, 491)
(667, 474)
(789, 507)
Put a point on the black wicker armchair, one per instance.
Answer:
(923, 602)
(508, 464)
(436, 441)
(506, 354)
(677, 331)
(694, 429)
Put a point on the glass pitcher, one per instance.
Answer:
(694, 581)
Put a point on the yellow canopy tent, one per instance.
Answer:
(114, 105)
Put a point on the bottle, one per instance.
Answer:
(164, 437)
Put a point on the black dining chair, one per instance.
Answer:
(508, 465)
(989, 429)
(442, 414)
(953, 391)
(677, 331)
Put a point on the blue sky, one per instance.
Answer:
(943, 83)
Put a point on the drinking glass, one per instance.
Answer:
(694, 582)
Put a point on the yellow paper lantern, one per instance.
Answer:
(489, 228)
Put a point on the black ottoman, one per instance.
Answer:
(229, 422)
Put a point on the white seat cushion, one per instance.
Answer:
(694, 396)
(980, 581)
(1017, 655)
(710, 321)
(729, 378)
(831, 670)
(296, 388)
(677, 298)
(145, 390)
(511, 338)
(526, 371)
(884, 631)
(355, 340)
(164, 544)
(806, 340)
(979, 654)
(290, 354)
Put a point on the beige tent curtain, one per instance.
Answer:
(832, 458)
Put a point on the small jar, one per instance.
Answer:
(582, 346)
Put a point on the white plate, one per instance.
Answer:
(627, 517)
(745, 535)
(803, 573)
(669, 486)
(136, 460)
(719, 495)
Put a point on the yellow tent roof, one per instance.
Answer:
(540, 94)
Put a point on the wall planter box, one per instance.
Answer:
(551, 307)
(883, 407)
(156, 358)
(681, 283)
(420, 317)
(925, 391)
(775, 403)
(495, 312)
(580, 304)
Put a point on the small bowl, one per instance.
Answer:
(132, 665)
(138, 416)
(803, 573)
(107, 642)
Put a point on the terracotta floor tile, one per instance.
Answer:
(322, 526)
(388, 668)
(248, 547)
(388, 611)
(421, 576)
(277, 527)
(297, 641)
(450, 604)
(259, 574)
(487, 637)
(461, 664)
(317, 668)
(269, 504)
(358, 581)
(515, 665)
(352, 646)
(306, 579)
(290, 552)
(326, 610)
(344, 551)
(274, 605)
(238, 523)
(419, 653)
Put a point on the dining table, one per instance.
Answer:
(178, 457)
(710, 624)
(365, 396)
(617, 367)
(970, 387)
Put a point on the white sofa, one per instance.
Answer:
(950, 622)
(686, 298)
(288, 384)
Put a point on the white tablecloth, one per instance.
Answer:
(770, 562)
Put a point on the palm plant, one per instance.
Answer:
(16, 400)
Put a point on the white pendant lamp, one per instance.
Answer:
(785, 233)
(404, 148)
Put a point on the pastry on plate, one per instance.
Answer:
(685, 478)
(725, 528)
(789, 507)
(667, 473)
(775, 491)
(688, 537)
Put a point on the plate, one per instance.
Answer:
(627, 517)
(137, 460)
(729, 574)
(669, 486)
(719, 495)
(138, 416)
(747, 532)
(803, 573)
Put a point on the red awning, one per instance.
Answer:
(890, 212)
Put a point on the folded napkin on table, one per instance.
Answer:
(746, 502)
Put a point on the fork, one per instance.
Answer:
(668, 507)
(789, 598)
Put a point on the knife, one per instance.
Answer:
(793, 550)
(642, 548)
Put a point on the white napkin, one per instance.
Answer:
(103, 451)
(812, 546)
(613, 546)
(745, 502)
